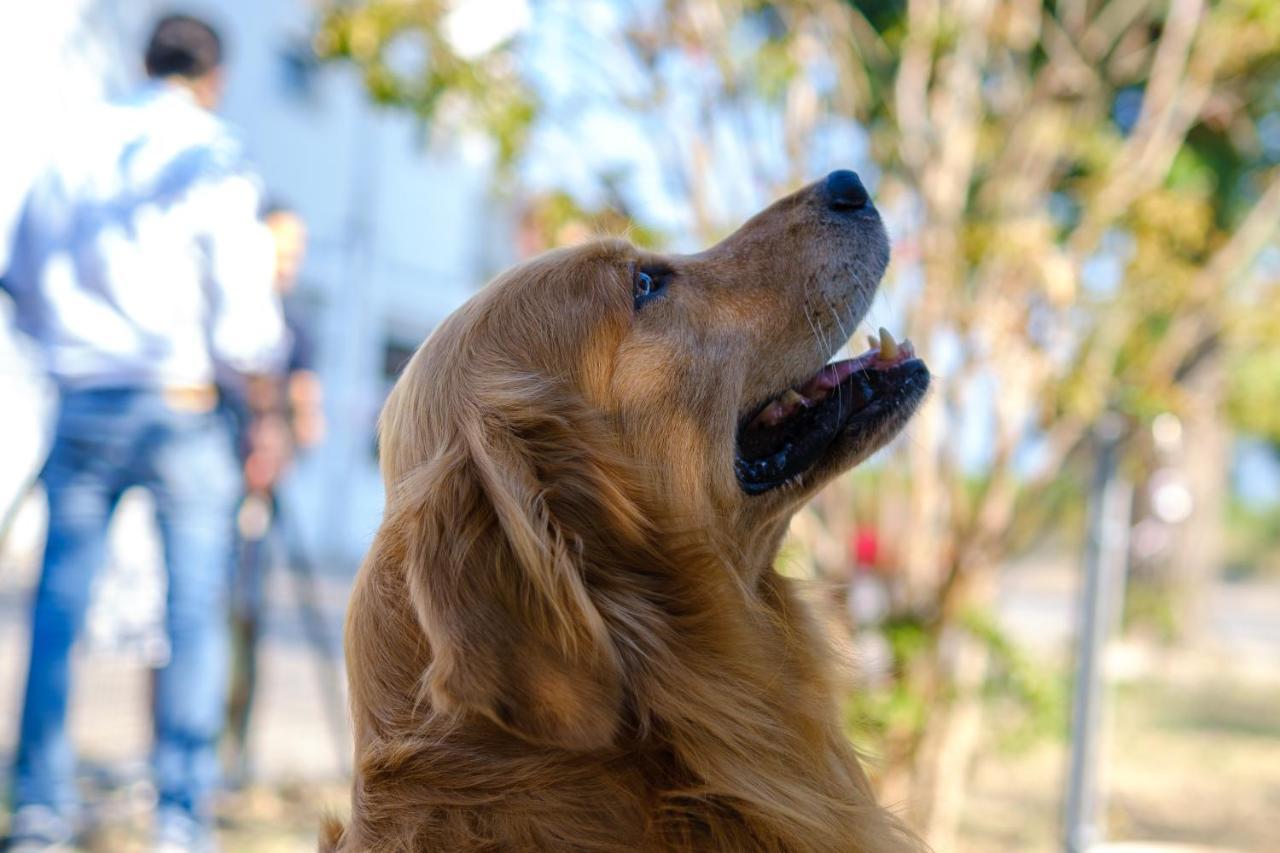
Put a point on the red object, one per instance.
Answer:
(866, 546)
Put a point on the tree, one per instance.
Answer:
(1081, 190)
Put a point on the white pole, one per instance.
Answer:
(1106, 563)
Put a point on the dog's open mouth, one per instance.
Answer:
(788, 434)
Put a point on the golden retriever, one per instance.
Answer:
(568, 634)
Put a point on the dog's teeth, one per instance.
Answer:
(874, 341)
(888, 346)
(908, 349)
(793, 398)
(771, 415)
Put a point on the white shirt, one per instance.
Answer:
(139, 259)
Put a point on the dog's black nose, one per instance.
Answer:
(845, 191)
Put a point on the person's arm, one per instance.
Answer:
(20, 277)
(306, 403)
(246, 328)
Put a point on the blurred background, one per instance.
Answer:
(1057, 594)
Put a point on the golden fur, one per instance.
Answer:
(568, 634)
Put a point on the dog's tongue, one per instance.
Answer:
(885, 353)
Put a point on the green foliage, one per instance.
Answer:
(1028, 698)
(1031, 698)
(878, 712)
(1051, 516)
(1255, 538)
(484, 93)
(1253, 400)
(558, 219)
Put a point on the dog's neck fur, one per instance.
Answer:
(722, 748)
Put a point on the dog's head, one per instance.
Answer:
(591, 396)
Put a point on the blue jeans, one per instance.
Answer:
(107, 441)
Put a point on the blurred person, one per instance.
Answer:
(140, 266)
(303, 391)
(282, 412)
(277, 416)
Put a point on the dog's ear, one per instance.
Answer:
(498, 525)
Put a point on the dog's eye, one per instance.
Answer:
(647, 286)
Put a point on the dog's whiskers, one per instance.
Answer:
(818, 340)
(839, 325)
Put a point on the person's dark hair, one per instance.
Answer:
(272, 205)
(183, 46)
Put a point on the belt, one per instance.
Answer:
(191, 398)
